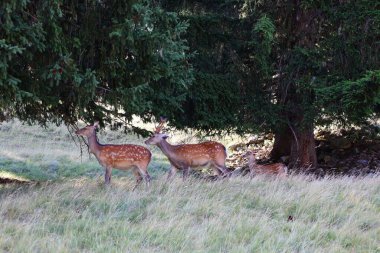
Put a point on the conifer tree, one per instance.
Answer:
(282, 67)
(243, 65)
(61, 61)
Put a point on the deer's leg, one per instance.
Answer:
(138, 178)
(251, 173)
(215, 169)
(172, 172)
(186, 172)
(143, 171)
(107, 176)
(223, 169)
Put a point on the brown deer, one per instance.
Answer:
(122, 157)
(279, 169)
(187, 156)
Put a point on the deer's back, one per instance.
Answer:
(275, 168)
(209, 148)
(200, 154)
(124, 156)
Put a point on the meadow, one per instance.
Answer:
(65, 207)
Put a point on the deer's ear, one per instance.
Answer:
(165, 136)
(96, 124)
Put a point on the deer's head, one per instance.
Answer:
(157, 136)
(251, 157)
(89, 130)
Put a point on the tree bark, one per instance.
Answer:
(296, 139)
(282, 144)
(299, 145)
(303, 156)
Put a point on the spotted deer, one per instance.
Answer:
(279, 169)
(122, 157)
(187, 156)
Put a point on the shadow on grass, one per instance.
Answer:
(38, 169)
(12, 181)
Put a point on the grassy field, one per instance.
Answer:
(67, 208)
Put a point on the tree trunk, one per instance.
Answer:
(303, 155)
(299, 145)
(282, 144)
(297, 138)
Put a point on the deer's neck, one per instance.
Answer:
(93, 144)
(252, 162)
(167, 149)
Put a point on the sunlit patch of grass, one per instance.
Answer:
(12, 176)
(42, 154)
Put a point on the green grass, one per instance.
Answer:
(68, 208)
(41, 154)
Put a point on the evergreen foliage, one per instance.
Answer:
(268, 62)
(236, 65)
(282, 67)
(64, 61)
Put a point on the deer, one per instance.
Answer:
(187, 156)
(279, 169)
(122, 157)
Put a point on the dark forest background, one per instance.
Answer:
(241, 66)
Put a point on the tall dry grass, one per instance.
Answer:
(235, 215)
